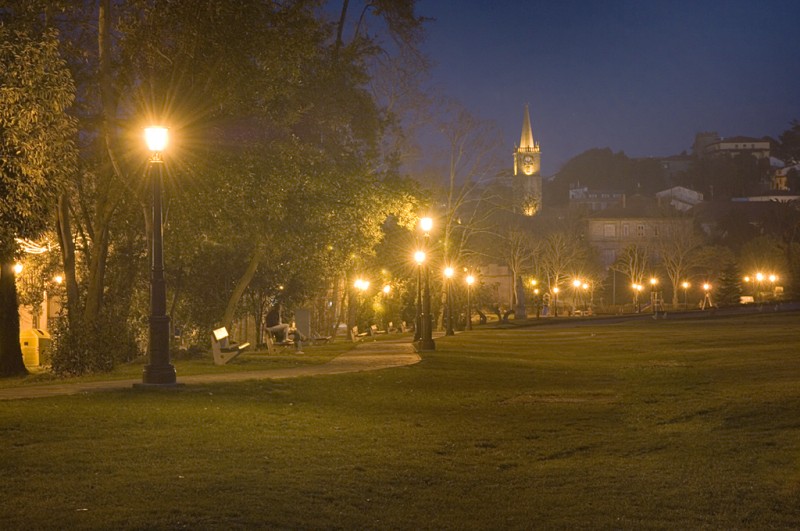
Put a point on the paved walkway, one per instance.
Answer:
(370, 356)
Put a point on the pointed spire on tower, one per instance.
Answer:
(526, 139)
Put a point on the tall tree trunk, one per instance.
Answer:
(67, 245)
(339, 30)
(108, 200)
(11, 363)
(244, 281)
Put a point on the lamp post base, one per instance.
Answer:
(159, 374)
(425, 344)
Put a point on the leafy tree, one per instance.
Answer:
(788, 147)
(710, 261)
(36, 155)
(729, 285)
(764, 255)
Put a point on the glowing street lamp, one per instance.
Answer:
(426, 224)
(448, 274)
(159, 371)
(654, 295)
(576, 286)
(685, 285)
(17, 268)
(637, 291)
(555, 301)
(707, 296)
(470, 281)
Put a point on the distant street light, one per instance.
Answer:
(426, 224)
(576, 286)
(361, 285)
(555, 301)
(654, 295)
(707, 296)
(426, 338)
(685, 286)
(638, 288)
(470, 280)
(159, 371)
(585, 287)
(448, 274)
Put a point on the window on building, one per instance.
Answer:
(626, 230)
(640, 230)
(609, 230)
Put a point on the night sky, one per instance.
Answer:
(640, 76)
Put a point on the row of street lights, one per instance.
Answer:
(423, 331)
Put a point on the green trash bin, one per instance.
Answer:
(35, 345)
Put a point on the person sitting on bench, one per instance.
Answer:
(274, 325)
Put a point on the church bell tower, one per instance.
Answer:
(527, 166)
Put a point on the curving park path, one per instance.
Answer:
(364, 357)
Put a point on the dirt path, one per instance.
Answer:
(365, 357)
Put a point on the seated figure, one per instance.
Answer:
(274, 325)
(280, 331)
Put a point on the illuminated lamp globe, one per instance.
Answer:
(156, 138)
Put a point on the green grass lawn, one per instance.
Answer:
(649, 424)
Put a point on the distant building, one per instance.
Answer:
(594, 200)
(675, 165)
(702, 141)
(710, 144)
(640, 221)
(679, 198)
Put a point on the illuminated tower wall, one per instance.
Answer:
(527, 168)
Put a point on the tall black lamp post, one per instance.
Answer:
(159, 371)
(426, 340)
(448, 274)
(470, 280)
(419, 258)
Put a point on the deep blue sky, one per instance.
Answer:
(636, 76)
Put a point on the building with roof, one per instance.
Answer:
(640, 221)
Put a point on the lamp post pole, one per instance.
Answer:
(654, 296)
(159, 371)
(448, 273)
(555, 301)
(685, 286)
(419, 257)
(426, 340)
(470, 280)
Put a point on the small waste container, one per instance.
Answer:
(35, 345)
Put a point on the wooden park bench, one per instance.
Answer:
(271, 343)
(223, 348)
(374, 331)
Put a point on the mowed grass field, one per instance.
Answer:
(647, 424)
